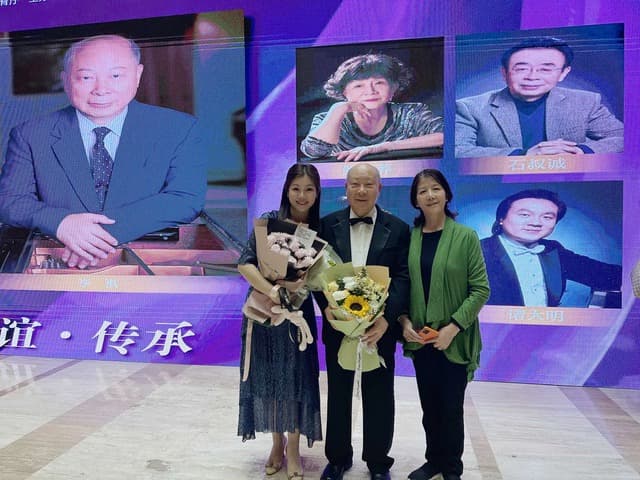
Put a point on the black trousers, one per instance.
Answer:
(441, 386)
(378, 407)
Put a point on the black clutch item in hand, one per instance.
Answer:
(285, 301)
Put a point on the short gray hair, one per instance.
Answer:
(79, 45)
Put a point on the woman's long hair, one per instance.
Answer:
(295, 171)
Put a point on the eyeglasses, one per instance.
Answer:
(527, 69)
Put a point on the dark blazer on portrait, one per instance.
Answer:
(558, 266)
(158, 179)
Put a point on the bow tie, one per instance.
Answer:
(356, 220)
(532, 251)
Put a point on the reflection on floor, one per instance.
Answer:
(71, 419)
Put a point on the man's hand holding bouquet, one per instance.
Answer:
(356, 297)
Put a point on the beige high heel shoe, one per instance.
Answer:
(272, 468)
(295, 475)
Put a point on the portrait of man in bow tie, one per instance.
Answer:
(107, 169)
(527, 269)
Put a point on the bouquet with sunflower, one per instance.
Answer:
(356, 296)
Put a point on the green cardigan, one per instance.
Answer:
(459, 288)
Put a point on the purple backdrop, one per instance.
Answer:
(603, 355)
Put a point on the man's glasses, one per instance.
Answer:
(528, 69)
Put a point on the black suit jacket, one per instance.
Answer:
(558, 266)
(389, 247)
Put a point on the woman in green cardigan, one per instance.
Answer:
(449, 286)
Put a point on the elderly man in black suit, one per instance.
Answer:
(365, 235)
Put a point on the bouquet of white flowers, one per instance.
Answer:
(356, 296)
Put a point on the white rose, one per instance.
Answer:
(340, 295)
(350, 283)
(332, 287)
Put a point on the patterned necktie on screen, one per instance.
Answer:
(101, 165)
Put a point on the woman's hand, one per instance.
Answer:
(445, 336)
(274, 294)
(329, 129)
(359, 110)
(423, 141)
(357, 153)
(408, 333)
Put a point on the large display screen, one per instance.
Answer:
(530, 111)
(174, 200)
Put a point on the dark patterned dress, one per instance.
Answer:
(281, 393)
(404, 120)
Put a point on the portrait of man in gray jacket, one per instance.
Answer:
(532, 115)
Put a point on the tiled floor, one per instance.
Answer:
(70, 419)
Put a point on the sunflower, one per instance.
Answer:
(356, 305)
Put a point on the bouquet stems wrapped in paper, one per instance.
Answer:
(356, 296)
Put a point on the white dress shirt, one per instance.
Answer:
(361, 234)
(526, 263)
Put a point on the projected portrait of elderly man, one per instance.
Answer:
(527, 269)
(106, 169)
(532, 115)
(365, 119)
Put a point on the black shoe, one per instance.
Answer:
(335, 472)
(425, 472)
(380, 476)
(451, 476)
